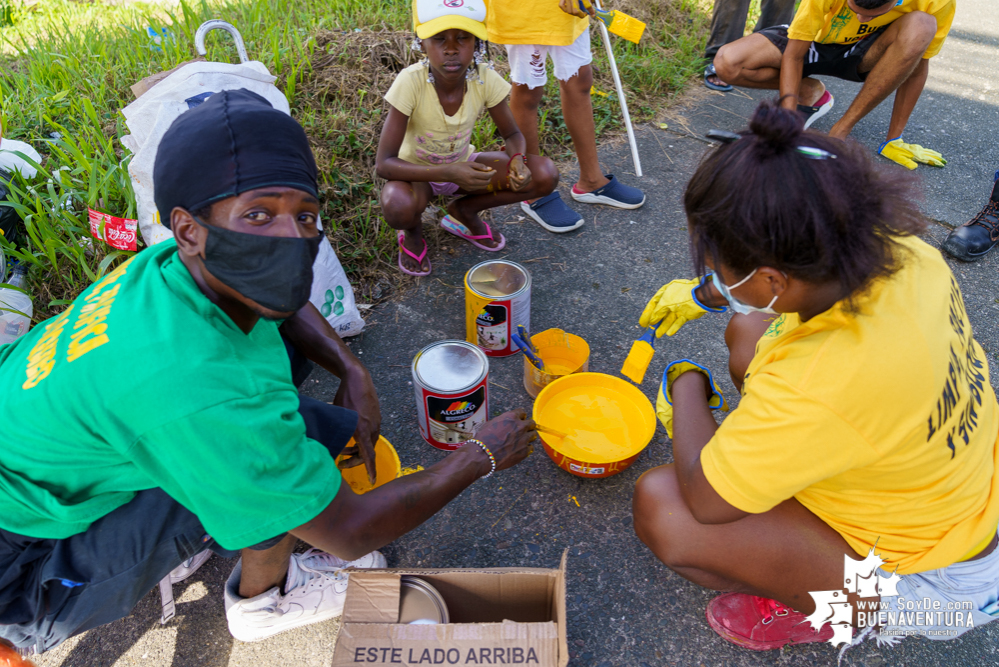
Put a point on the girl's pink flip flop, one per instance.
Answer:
(451, 225)
(417, 258)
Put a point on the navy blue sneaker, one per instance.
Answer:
(615, 194)
(551, 213)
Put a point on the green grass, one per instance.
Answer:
(69, 67)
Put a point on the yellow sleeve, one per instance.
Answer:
(497, 88)
(944, 17)
(778, 442)
(809, 20)
(402, 93)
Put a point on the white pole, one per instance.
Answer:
(620, 96)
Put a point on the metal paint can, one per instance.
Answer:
(420, 603)
(497, 299)
(452, 394)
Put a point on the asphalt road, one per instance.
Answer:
(624, 607)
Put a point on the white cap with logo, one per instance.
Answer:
(433, 16)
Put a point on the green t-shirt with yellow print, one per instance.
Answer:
(142, 383)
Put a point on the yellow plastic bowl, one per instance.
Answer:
(387, 467)
(604, 406)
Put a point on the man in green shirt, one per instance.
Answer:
(157, 415)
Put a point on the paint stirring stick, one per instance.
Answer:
(640, 357)
(522, 346)
(550, 431)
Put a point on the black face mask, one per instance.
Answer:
(276, 272)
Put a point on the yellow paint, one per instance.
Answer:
(607, 419)
(387, 467)
(597, 425)
(576, 501)
(563, 354)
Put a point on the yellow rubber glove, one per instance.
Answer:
(908, 155)
(675, 304)
(664, 403)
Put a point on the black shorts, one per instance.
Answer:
(838, 60)
(51, 590)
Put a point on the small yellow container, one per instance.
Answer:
(563, 354)
(387, 467)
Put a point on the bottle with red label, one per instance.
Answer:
(15, 316)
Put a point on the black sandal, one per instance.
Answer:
(709, 71)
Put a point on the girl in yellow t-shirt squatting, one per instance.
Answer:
(867, 428)
(425, 147)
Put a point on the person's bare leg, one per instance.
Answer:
(466, 209)
(263, 570)
(781, 554)
(577, 109)
(524, 103)
(403, 204)
(889, 62)
(754, 62)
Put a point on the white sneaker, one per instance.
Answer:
(189, 566)
(316, 588)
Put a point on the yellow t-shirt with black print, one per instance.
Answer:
(882, 423)
(833, 22)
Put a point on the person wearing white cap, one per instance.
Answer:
(425, 147)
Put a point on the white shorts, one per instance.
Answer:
(527, 61)
(944, 603)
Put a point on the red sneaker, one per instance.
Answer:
(761, 624)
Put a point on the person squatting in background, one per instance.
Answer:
(425, 147)
(866, 416)
(884, 44)
(728, 23)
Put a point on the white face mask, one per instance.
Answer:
(739, 306)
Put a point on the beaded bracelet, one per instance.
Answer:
(492, 459)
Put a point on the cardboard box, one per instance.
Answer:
(499, 616)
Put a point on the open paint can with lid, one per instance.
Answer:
(497, 299)
(420, 603)
(452, 394)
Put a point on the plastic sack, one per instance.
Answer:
(332, 293)
(149, 117)
(11, 162)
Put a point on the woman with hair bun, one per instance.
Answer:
(866, 424)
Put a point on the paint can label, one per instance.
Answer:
(492, 315)
(492, 327)
(447, 421)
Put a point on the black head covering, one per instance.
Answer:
(234, 142)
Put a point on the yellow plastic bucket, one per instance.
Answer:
(387, 467)
(563, 354)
